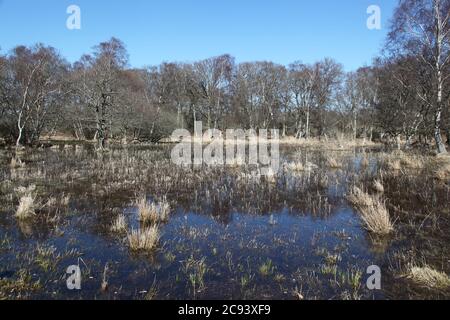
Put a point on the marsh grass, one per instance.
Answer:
(365, 162)
(65, 200)
(47, 257)
(16, 163)
(378, 186)
(394, 164)
(120, 224)
(373, 212)
(294, 167)
(105, 182)
(333, 163)
(153, 212)
(26, 208)
(23, 191)
(428, 277)
(144, 239)
(411, 161)
(359, 198)
(21, 287)
(195, 270)
(266, 268)
(443, 171)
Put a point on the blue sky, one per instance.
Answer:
(154, 31)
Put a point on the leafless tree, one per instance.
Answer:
(358, 95)
(97, 79)
(32, 89)
(213, 77)
(421, 28)
(329, 76)
(302, 81)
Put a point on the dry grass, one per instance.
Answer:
(23, 191)
(378, 186)
(373, 212)
(359, 198)
(120, 224)
(399, 159)
(26, 208)
(237, 162)
(270, 176)
(364, 162)
(429, 278)
(27, 202)
(152, 212)
(329, 144)
(144, 239)
(333, 164)
(411, 162)
(393, 164)
(16, 163)
(65, 200)
(295, 167)
(443, 171)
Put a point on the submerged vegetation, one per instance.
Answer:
(87, 177)
(309, 231)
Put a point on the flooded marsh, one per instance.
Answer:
(140, 227)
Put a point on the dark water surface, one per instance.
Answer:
(228, 237)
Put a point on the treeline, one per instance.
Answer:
(405, 93)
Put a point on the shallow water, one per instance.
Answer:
(226, 238)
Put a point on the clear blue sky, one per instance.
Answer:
(187, 30)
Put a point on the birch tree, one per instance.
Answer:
(421, 28)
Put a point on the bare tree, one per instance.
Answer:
(302, 81)
(359, 94)
(97, 80)
(421, 28)
(213, 77)
(32, 90)
(329, 76)
(400, 111)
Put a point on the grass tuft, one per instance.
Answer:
(26, 208)
(443, 171)
(144, 239)
(373, 212)
(378, 186)
(333, 164)
(153, 212)
(295, 167)
(120, 224)
(429, 278)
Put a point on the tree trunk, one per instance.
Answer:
(438, 118)
(100, 135)
(439, 44)
(307, 124)
(448, 136)
(20, 127)
(19, 137)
